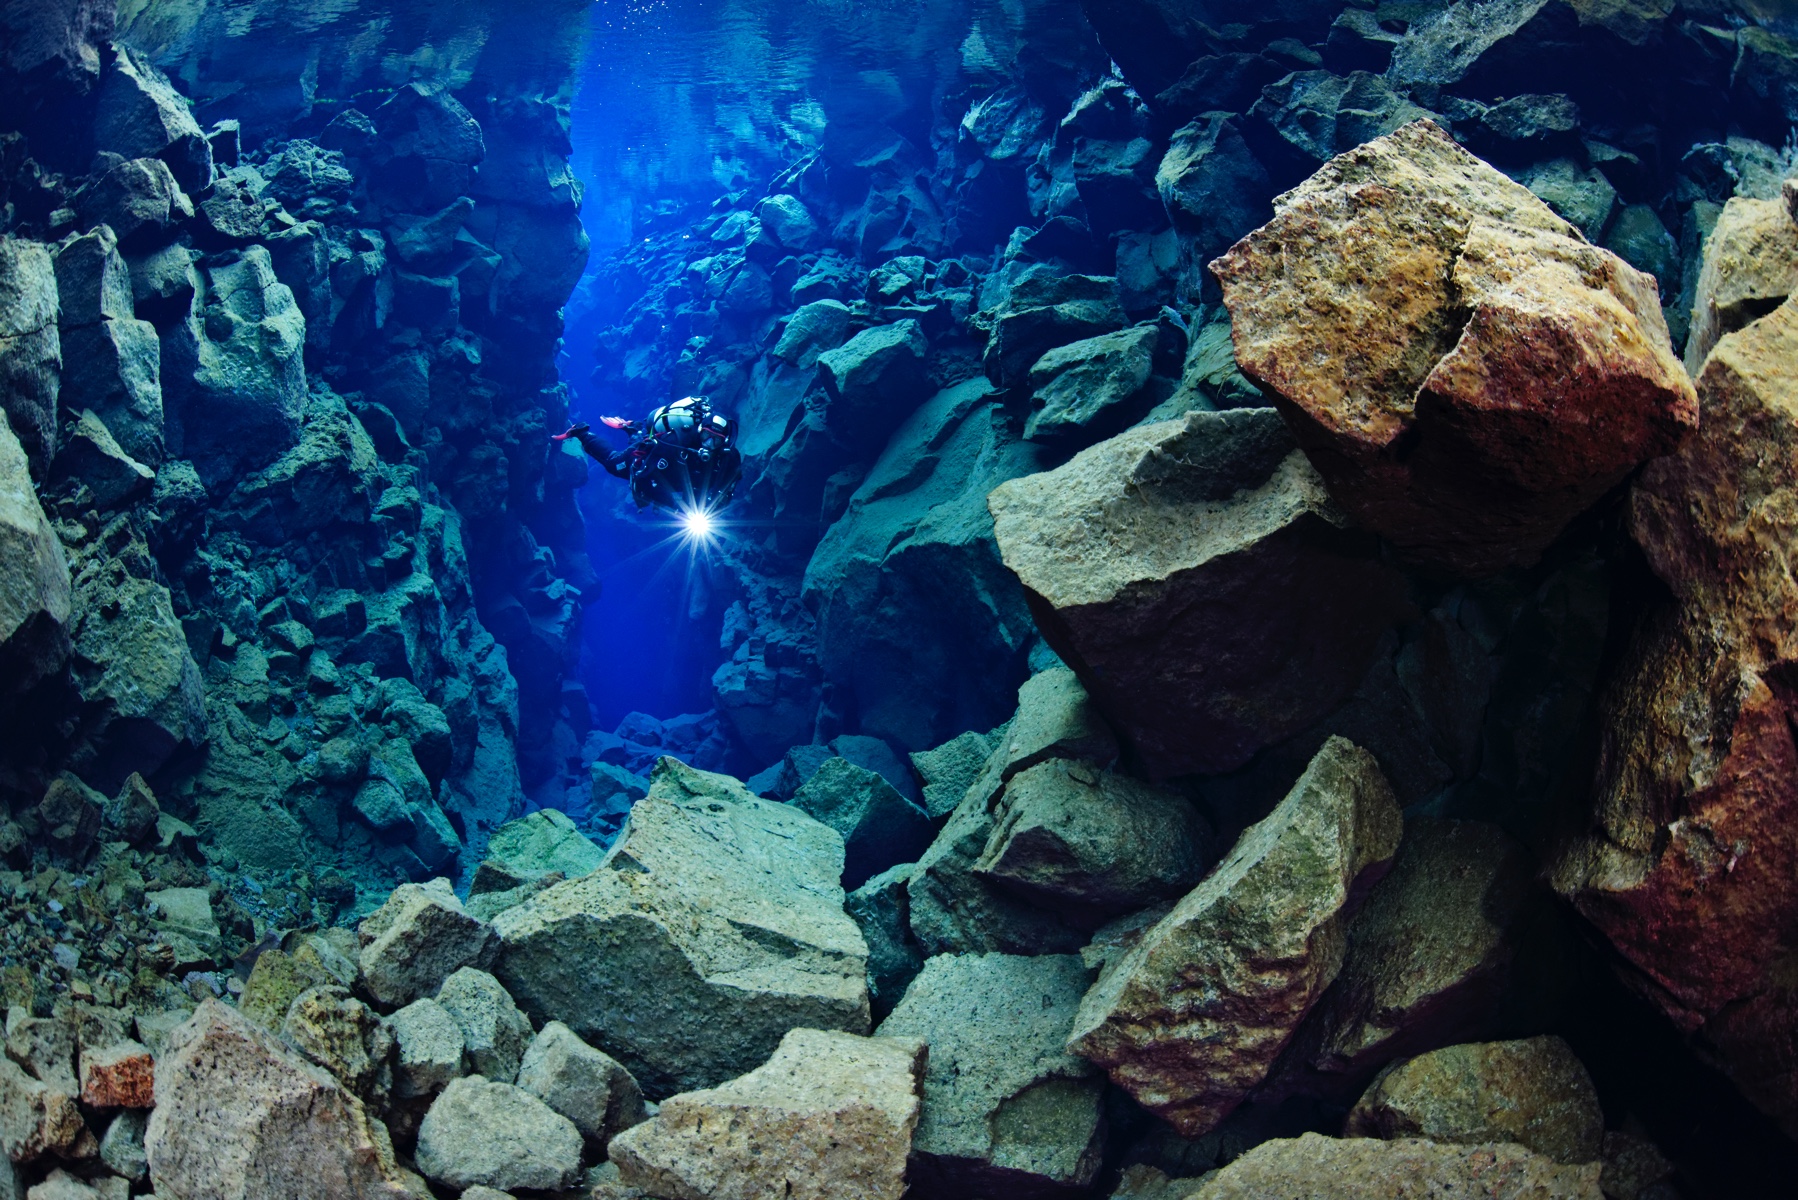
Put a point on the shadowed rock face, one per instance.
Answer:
(1189, 1019)
(1365, 1169)
(1199, 580)
(1504, 373)
(1534, 1092)
(1007, 1110)
(1692, 843)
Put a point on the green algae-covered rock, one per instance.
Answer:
(541, 842)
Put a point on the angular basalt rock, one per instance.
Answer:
(38, 1118)
(138, 681)
(879, 827)
(1506, 374)
(1366, 1169)
(494, 1032)
(1093, 844)
(715, 926)
(121, 1075)
(30, 348)
(915, 552)
(429, 1051)
(239, 1117)
(1189, 1019)
(35, 592)
(1202, 584)
(881, 908)
(1750, 267)
(1430, 955)
(92, 457)
(344, 1036)
(1693, 837)
(138, 199)
(952, 909)
(484, 1134)
(828, 1117)
(1532, 1092)
(950, 769)
(418, 939)
(1007, 1110)
(588, 1087)
(234, 381)
(1086, 388)
(139, 114)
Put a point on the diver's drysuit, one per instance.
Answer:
(684, 457)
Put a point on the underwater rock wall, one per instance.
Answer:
(282, 307)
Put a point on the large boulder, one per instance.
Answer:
(1750, 267)
(1200, 581)
(35, 596)
(1507, 373)
(874, 381)
(141, 691)
(1314, 1167)
(138, 199)
(1432, 956)
(1007, 1109)
(30, 348)
(234, 381)
(588, 1087)
(919, 623)
(138, 114)
(1686, 862)
(479, 1133)
(541, 842)
(1533, 1092)
(951, 908)
(417, 940)
(1093, 844)
(879, 827)
(828, 1117)
(1092, 387)
(239, 1117)
(1189, 1019)
(715, 926)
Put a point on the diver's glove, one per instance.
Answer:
(581, 432)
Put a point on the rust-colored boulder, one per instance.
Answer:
(1688, 861)
(122, 1075)
(1465, 371)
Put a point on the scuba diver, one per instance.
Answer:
(684, 457)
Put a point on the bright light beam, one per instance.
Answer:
(697, 524)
